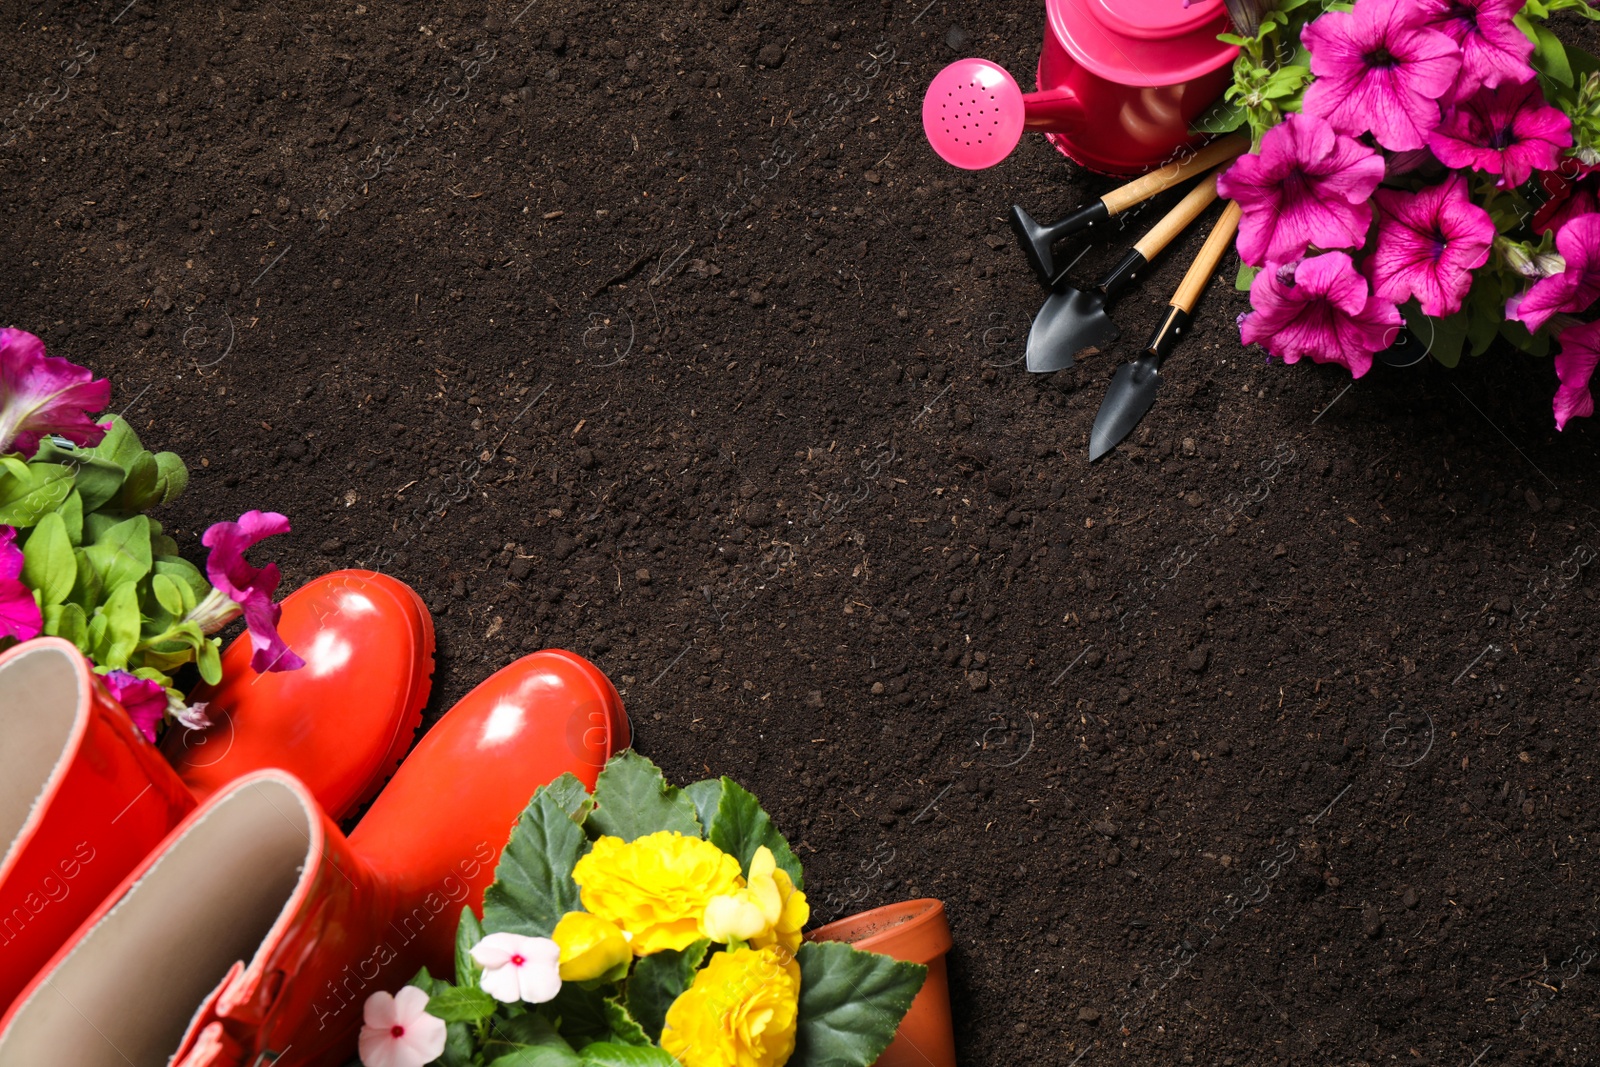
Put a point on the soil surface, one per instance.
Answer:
(656, 332)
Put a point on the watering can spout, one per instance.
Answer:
(1054, 111)
(975, 113)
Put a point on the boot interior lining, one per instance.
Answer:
(130, 988)
(41, 702)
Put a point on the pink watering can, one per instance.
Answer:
(1119, 83)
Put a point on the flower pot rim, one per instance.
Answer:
(920, 922)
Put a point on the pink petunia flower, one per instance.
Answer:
(144, 701)
(1493, 51)
(1380, 70)
(1573, 189)
(251, 587)
(1322, 308)
(1309, 186)
(518, 968)
(397, 1031)
(1575, 288)
(42, 394)
(19, 612)
(1429, 243)
(1575, 363)
(1509, 131)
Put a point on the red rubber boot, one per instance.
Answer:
(261, 951)
(344, 721)
(83, 798)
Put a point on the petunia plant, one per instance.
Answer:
(1431, 165)
(81, 559)
(644, 926)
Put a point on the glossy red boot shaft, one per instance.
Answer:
(83, 799)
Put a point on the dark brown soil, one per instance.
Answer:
(656, 332)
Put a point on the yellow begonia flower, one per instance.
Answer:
(741, 1011)
(590, 946)
(767, 910)
(655, 887)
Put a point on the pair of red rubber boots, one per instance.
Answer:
(200, 906)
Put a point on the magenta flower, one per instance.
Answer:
(251, 588)
(1429, 243)
(42, 394)
(1380, 70)
(1309, 186)
(19, 612)
(1574, 190)
(1319, 307)
(1575, 288)
(144, 701)
(1509, 131)
(1580, 351)
(1493, 51)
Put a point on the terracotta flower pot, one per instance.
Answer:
(915, 931)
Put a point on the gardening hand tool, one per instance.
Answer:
(1134, 386)
(1037, 241)
(256, 930)
(91, 797)
(1072, 320)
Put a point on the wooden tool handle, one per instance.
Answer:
(1205, 264)
(1178, 219)
(1169, 174)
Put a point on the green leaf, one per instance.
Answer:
(580, 1014)
(172, 477)
(89, 586)
(533, 1042)
(168, 594)
(632, 799)
(461, 1004)
(122, 553)
(1550, 55)
(67, 621)
(469, 931)
(1220, 117)
(533, 886)
(1442, 338)
(121, 612)
(186, 574)
(659, 979)
(71, 512)
(48, 565)
(208, 658)
(1247, 274)
(851, 1002)
(96, 479)
(740, 827)
(610, 1054)
(24, 501)
(706, 795)
(119, 446)
(139, 491)
(625, 1029)
(573, 797)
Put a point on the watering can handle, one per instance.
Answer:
(1178, 219)
(1176, 172)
